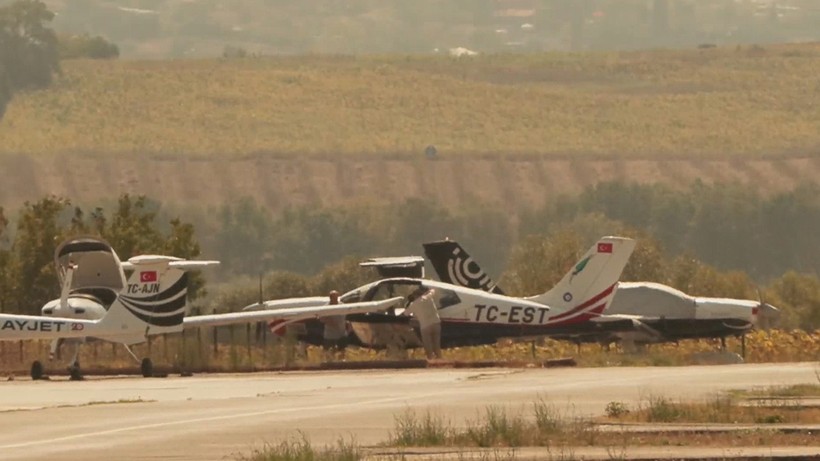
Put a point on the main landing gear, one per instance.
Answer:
(147, 368)
(37, 371)
(146, 365)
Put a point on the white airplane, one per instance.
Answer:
(471, 316)
(660, 313)
(98, 302)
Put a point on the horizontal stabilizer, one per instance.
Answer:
(177, 263)
(398, 266)
(397, 261)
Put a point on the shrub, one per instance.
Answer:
(616, 409)
(86, 46)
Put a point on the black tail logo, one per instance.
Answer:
(453, 265)
(165, 309)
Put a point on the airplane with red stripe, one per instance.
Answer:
(472, 316)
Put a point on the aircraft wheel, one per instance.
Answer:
(74, 373)
(147, 368)
(36, 370)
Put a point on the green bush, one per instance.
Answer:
(86, 46)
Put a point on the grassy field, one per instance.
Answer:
(748, 100)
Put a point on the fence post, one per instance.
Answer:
(248, 344)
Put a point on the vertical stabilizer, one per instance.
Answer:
(589, 286)
(152, 301)
(454, 266)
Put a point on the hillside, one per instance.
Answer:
(340, 130)
(518, 182)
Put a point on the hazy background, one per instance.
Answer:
(202, 28)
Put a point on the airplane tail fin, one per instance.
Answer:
(588, 288)
(454, 266)
(152, 302)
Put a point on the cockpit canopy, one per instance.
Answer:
(98, 270)
(400, 286)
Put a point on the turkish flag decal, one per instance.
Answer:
(148, 276)
(604, 248)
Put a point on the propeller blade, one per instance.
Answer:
(69, 276)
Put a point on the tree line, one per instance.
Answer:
(707, 240)
(28, 278)
(30, 51)
(729, 226)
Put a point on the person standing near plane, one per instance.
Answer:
(335, 328)
(424, 309)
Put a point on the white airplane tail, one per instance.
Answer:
(152, 301)
(588, 288)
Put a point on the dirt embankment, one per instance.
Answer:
(276, 182)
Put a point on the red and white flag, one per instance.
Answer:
(604, 247)
(148, 276)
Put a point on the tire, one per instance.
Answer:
(74, 373)
(36, 370)
(147, 368)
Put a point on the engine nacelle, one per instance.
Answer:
(79, 307)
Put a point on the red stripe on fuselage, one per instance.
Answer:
(582, 317)
(588, 303)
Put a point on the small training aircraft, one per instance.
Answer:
(98, 302)
(660, 313)
(470, 316)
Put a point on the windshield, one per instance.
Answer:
(390, 289)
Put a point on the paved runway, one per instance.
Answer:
(211, 417)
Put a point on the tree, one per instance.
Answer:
(538, 262)
(5, 257)
(132, 230)
(33, 280)
(182, 243)
(28, 49)
(86, 46)
(798, 296)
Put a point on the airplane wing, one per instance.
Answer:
(288, 303)
(290, 314)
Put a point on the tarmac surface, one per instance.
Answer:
(214, 417)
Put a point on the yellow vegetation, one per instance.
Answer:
(698, 102)
(772, 346)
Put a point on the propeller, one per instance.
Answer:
(766, 313)
(66, 289)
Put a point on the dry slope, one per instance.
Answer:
(518, 181)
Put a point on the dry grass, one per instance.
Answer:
(721, 101)
(724, 409)
(197, 353)
(774, 392)
(548, 425)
